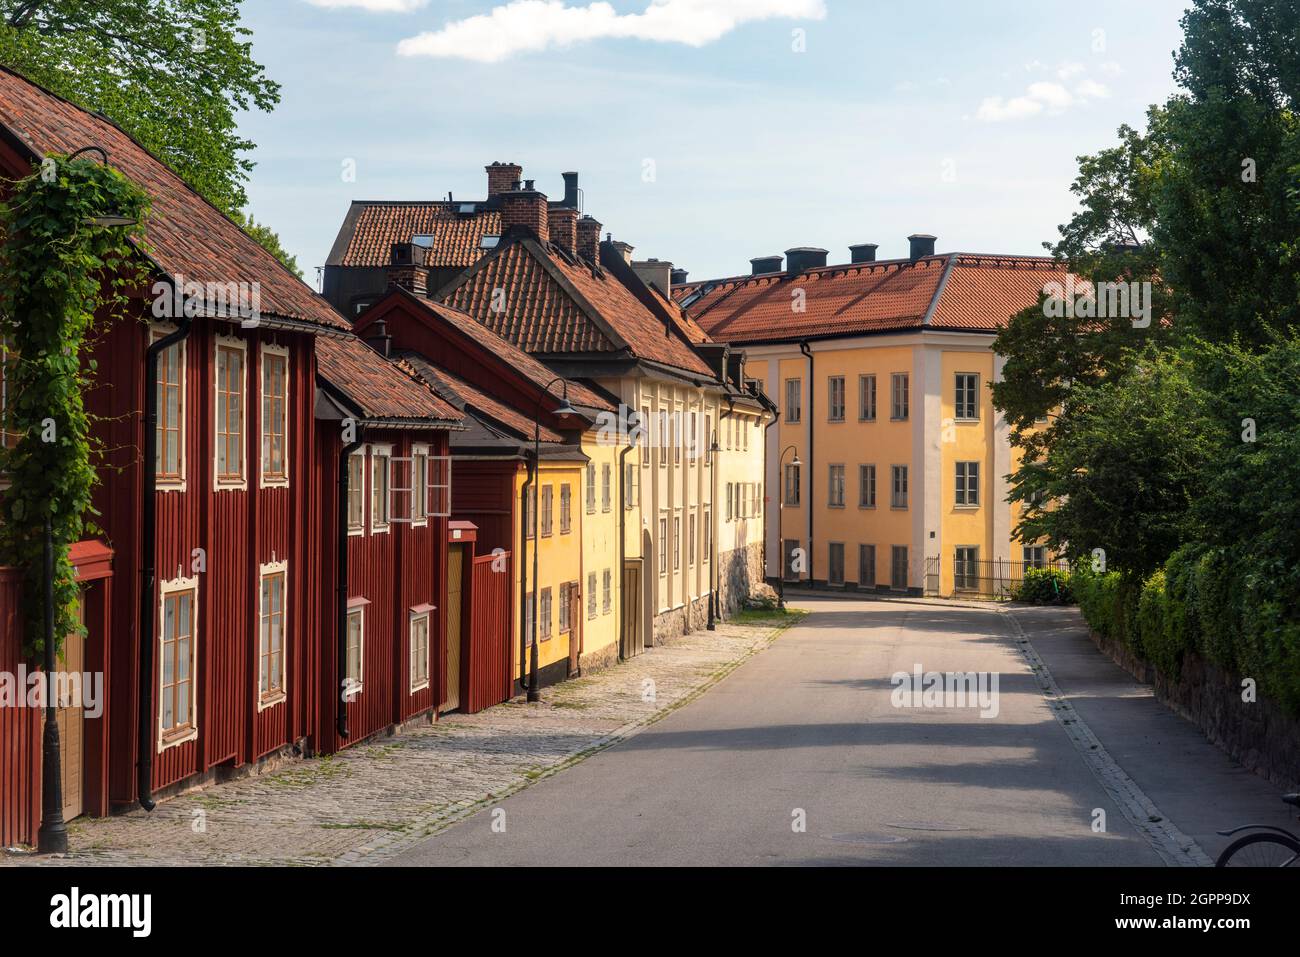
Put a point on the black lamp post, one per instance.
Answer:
(780, 520)
(563, 411)
(52, 838)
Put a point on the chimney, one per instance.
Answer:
(589, 239)
(502, 177)
(379, 339)
(406, 268)
(922, 244)
(526, 208)
(657, 274)
(762, 265)
(623, 249)
(564, 228)
(570, 190)
(678, 277)
(804, 257)
(863, 253)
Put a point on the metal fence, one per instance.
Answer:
(983, 578)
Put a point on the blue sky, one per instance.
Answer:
(961, 119)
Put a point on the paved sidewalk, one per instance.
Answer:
(370, 802)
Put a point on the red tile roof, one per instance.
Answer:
(952, 291)
(376, 385)
(186, 235)
(474, 399)
(508, 352)
(370, 229)
(554, 304)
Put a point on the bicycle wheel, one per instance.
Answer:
(1261, 850)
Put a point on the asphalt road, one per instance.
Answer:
(807, 732)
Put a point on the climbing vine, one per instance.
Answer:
(61, 271)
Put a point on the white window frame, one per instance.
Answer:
(386, 453)
(956, 397)
(275, 697)
(158, 330)
(421, 450)
(356, 606)
(283, 352)
(966, 484)
(360, 453)
(218, 483)
(420, 613)
(164, 589)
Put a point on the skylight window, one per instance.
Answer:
(466, 209)
(489, 242)
(423, 240)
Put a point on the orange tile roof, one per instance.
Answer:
(474, 399)
(376, 385)
(371, 227)
(508, 352)
(554, 304)
(952, 291)
(185, 234)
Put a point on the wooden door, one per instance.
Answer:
(71, 718)
(634, 640)
(455, 591)
(575, 626)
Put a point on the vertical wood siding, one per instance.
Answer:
(489, 653)
(20, 729)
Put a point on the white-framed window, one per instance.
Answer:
(965, 567)
(898, 396)
(273, 593)
(530, 511)
(231, 416)
(419, 485)
(566, 609)
(866, 486)
(791, 484)
(548, 498)
(694, 438)
(169, 460)
(418, 641)
(690, 556)
(708, 536)
(663, 546)
(835, 488)
(381, 476)
(440, 486)
(607, 592)
(646, 443)
(966, 403)
(591, 594)
(275, 415)
(566, 508)
(677, 542)
(1035, 556)
(835, 403)
(544, 615)
(866, 398)
(357, 492)
(793, 400)
(591, 488)
(355, 675)
(968, 484)
(178, 613)
(606, 485)
(898, 489)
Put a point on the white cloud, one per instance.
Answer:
(1043, 97)
(373, 6)
(523, 26)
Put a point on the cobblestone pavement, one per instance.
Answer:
(370, 802)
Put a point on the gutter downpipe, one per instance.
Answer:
(780, 491)
(812, 475)
(341, 580)
(622, 540)
(148, 570)
(523, 572)
(714, 612)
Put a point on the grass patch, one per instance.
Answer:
(768, 616)
(365, 826)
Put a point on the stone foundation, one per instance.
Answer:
(740, 575)
(679, 622)
(1261, 736)
(590, 661)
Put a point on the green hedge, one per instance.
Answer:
(1044, 586)
(1205, 601)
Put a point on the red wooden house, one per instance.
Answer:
(210, 656)
(384, 474)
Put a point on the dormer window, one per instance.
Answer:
(423, 240)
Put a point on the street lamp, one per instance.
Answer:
(780, 520)
(563, 411)
(52, 838)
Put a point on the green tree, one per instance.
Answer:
(174, 74)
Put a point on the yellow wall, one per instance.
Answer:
(599, 533)
(559, 557)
